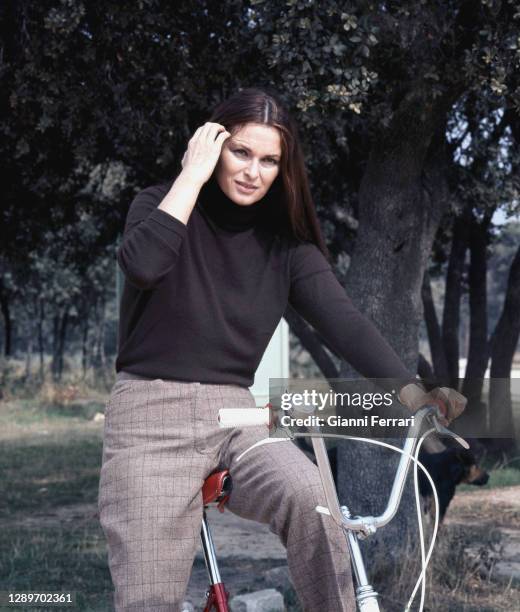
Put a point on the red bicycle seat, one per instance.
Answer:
(217, 488)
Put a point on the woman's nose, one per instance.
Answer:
(252, 169)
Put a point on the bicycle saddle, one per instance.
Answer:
(217, 488)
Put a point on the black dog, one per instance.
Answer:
(448, 469)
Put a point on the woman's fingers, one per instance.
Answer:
(214, 133)
(213, 130)
(204, 150)
(456, 402)
(196, 133)
(222, 136)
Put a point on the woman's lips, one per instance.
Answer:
(245, 187)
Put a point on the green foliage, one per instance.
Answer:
(109, 82)
(102, 98)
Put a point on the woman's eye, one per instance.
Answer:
(270, 161)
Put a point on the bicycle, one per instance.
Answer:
(218, 486)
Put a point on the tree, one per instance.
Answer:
(423, 60)
(485, 158)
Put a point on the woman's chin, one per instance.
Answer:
(244, 200)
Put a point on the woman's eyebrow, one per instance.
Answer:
(239, 144)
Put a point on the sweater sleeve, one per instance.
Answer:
(316, 294)
(151, 241)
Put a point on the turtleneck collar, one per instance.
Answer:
(229, 215)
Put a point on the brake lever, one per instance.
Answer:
(444, 431)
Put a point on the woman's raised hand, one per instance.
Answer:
(203, 152)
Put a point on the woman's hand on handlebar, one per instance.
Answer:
(450, 402)
(203, 152)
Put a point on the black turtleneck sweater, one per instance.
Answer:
(201, 301)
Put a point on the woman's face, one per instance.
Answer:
(249, 163)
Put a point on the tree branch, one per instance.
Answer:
(311, 342)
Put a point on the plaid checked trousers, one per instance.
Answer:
(161, 440)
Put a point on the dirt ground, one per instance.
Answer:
(498, 507)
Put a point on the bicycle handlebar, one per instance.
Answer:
(237, 417)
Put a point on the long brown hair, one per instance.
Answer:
(253, 105)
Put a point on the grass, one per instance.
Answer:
(50, 457)
(66, 558)
(505, 477)
(47, 460)
(48, 473)
(501, 477)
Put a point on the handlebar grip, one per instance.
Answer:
(244, 417)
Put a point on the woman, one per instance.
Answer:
(211, 261)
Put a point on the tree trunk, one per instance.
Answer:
(41, 343)
(440, 367)
(311, 342)
(32, 312)
(84, 346)
(403, 195)
(63, 333)
(424, 369)
(478, 353)
(59, 333)
(28, 355)
(99, 360)
(55, 344)
(451, 313)
(503, 346)
(8, 327)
